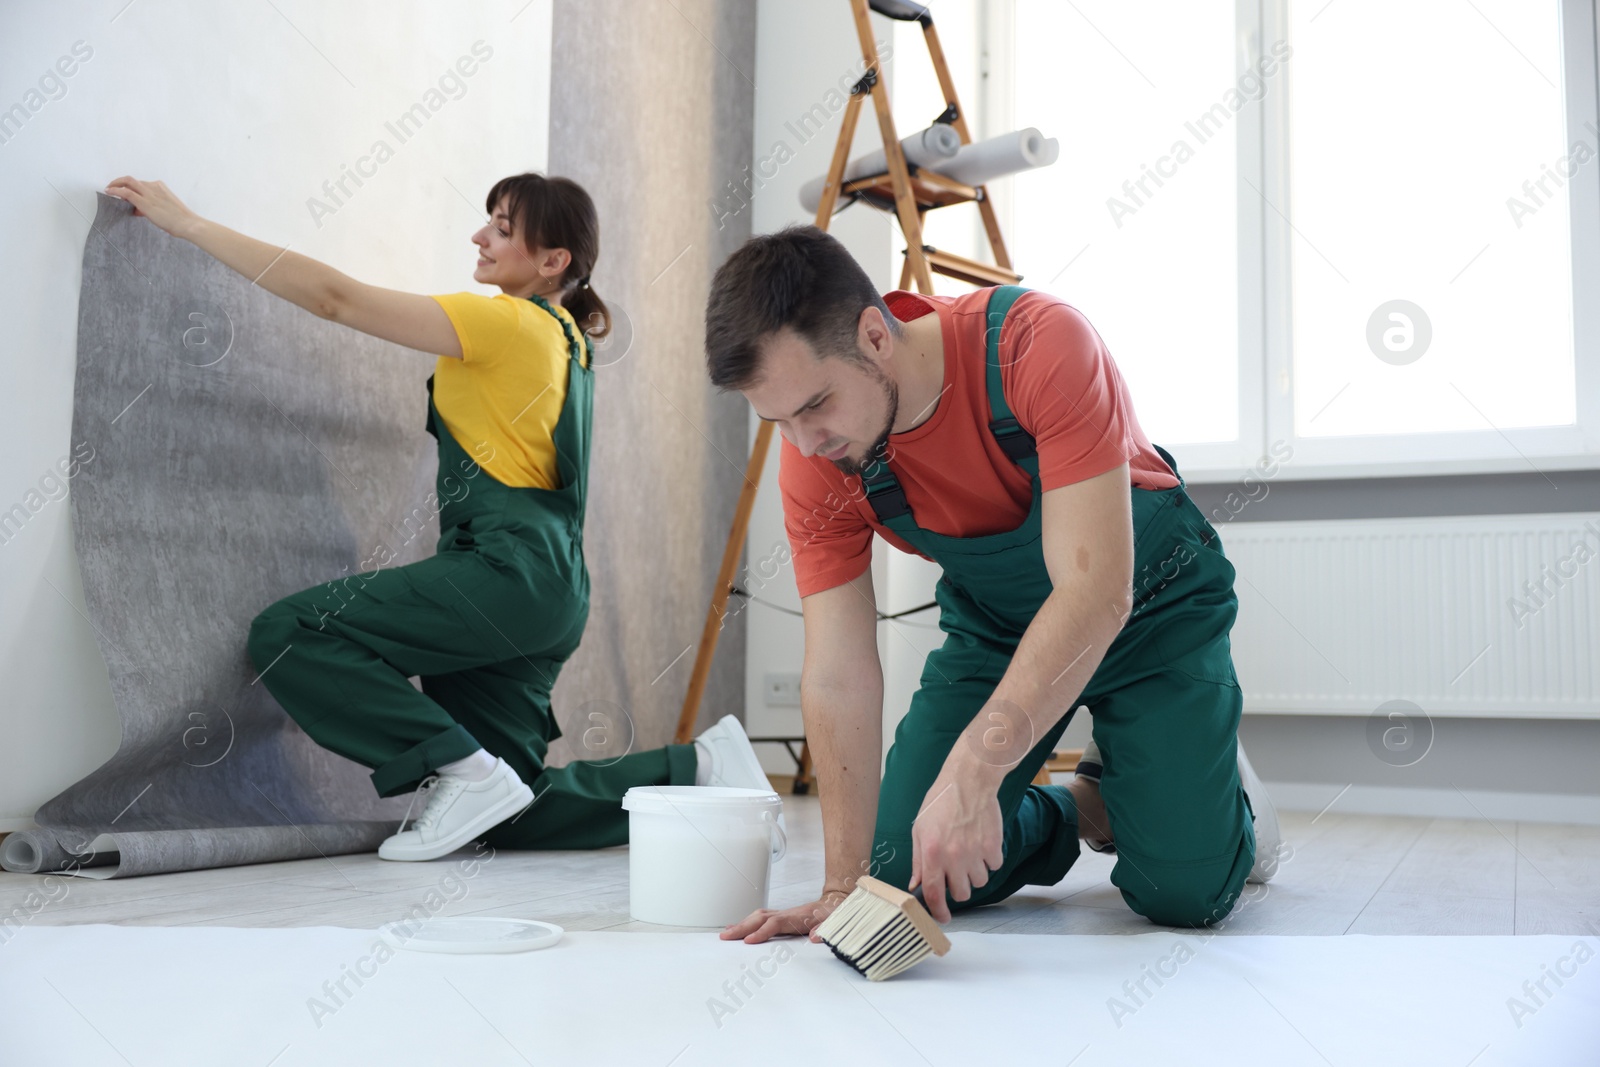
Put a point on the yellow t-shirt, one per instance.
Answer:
(502, 399)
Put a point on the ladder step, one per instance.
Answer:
(928, 189)
(967, 270)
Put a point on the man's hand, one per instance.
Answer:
(955, 838)
(767, 922)
(841, 703)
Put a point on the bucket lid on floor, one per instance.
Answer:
(471, 934)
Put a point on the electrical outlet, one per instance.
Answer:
(781, 690)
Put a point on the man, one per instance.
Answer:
(993, 434)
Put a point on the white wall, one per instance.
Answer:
(804, 53)
(244, 111)
(801, 53)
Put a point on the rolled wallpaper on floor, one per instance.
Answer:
(229, 448)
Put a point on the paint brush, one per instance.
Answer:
(881, 930)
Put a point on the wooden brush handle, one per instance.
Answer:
(914, 908)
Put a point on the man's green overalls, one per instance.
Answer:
(1164, 700)
(487, 624)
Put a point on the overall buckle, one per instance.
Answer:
(888, 501)
(1014, 441)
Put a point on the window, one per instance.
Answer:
(1135, 223)
(1352, 226)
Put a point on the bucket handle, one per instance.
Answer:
(782, 846)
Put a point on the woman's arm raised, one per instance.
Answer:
(409, 319)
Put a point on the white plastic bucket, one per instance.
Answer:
(700, 855)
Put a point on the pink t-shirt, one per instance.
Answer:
(1063, 388)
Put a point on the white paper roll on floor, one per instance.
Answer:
(933, 147)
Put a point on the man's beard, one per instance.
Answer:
(892, 392)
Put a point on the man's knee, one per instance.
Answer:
(1186, 896)
(1185, 908)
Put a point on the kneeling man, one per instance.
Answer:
(993, 434)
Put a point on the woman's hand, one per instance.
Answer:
(802, 919)
(155, 202)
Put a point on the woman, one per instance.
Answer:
(487, 622)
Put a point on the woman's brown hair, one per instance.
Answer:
(558, 213)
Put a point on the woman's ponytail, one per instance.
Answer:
(588, 310)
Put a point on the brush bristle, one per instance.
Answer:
(873, 935)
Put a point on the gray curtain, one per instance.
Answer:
(652, 111)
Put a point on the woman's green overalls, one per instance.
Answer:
(1164, 700)
(486, 623)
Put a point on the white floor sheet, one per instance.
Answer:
(98, 994)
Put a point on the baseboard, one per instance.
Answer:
(1436, 803)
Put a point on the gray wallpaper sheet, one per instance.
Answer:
(234, 449)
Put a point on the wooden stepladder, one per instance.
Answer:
(908, 191)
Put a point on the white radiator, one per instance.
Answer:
(1471, 616)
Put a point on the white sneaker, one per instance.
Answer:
(733, 760)
(1090, 765)
(457, 812)
(1269, 841)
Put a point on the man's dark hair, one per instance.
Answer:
(801, 278)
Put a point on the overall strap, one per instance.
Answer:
(582, 354)
(883, 491)
(1014, 441)
(573, 430)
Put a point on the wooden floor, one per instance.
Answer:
(1348, 874)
